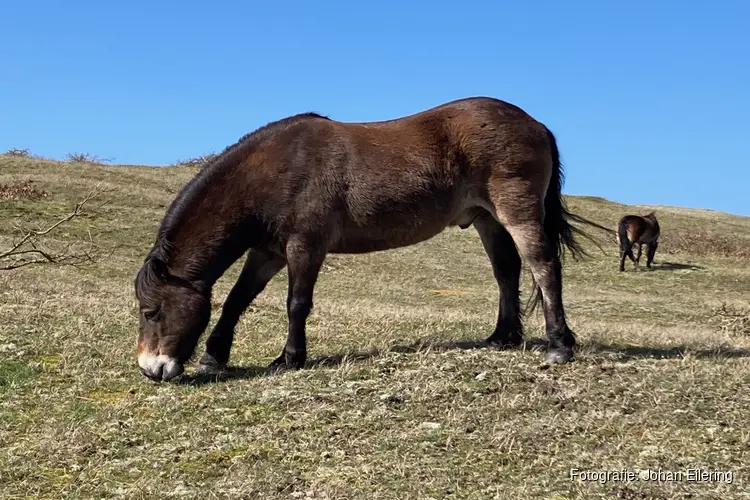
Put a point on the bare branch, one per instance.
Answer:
(27, 251)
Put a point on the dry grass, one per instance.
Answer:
(706, 243)
(397, 402)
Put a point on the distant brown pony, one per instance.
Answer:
(637, 230)
(306, 186)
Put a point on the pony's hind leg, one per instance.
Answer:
(506, 266)
(627, 251)
(523, 220)
(259, 268)
(623, 254)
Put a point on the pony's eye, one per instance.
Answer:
(150, 314)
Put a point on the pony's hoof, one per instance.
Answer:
(288, 361)
(559, 356)
(504, 343)
(209, 369)
(505, 338)
(208, 365)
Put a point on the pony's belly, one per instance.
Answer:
(406, 232)
(377, 239)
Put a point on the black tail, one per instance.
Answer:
(626, 248)
(561, 234)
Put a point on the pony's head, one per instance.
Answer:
(173, 314)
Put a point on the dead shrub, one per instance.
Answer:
(18, 153)
(731, 319)
(198, 161)
(23, 190)
(87, 158)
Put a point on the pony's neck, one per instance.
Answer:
(209, 231)
(202, 257)
(217, 216)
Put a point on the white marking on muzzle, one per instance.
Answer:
(162, 367)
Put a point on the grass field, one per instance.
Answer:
(397, 402)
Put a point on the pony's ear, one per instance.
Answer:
(159, 267)
(156, 261)
(155, 269)
(152, 274)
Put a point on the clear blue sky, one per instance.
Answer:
(650, 101)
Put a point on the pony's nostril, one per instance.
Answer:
(149, 375)
(159, 368)
(171, 370)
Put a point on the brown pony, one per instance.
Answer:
(305, 186)
(637, 230)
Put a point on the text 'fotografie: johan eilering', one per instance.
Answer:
(689, 475)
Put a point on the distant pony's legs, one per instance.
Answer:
(523, 218)
(650, 253)
(626, 247)
(626, 250)
(506, 266)
(259, 268)
(637, 260)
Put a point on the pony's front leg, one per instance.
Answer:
(304, 259)
(506, 266)
(260, 266)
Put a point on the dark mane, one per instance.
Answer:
(197, 186)
(146, 280)
(257, 136)
(153, 270)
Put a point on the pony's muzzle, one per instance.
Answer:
(159, 368)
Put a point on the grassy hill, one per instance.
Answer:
(396, 402)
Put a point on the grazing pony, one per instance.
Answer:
(306, 186)
(637, 230)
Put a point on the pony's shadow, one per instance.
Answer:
(675, 266)
(624, 353)
(621, 352)
(248, 372)
(230, 373)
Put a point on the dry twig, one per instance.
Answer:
(27, 251)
